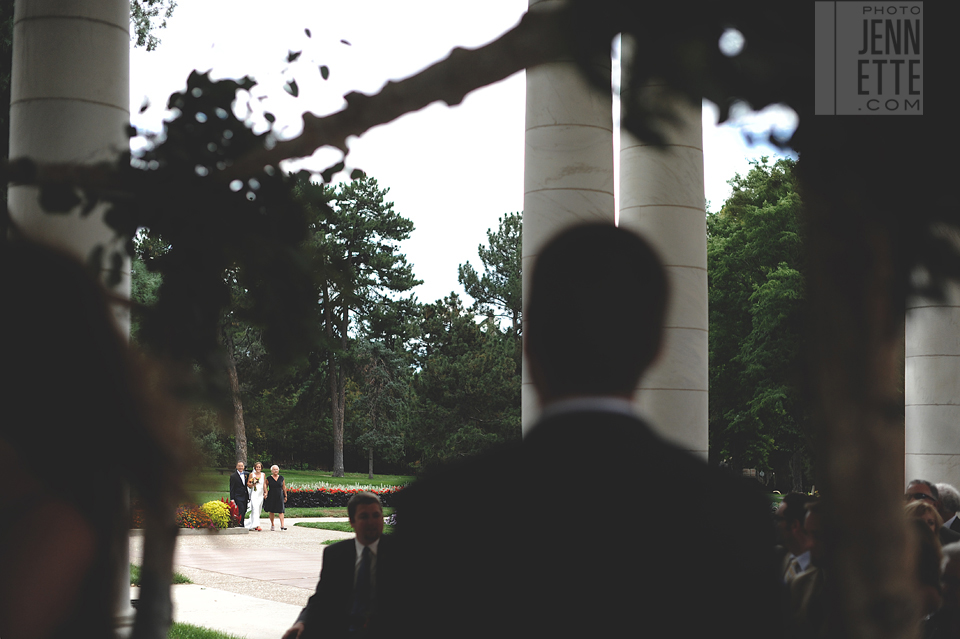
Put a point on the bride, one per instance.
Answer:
(256, 484)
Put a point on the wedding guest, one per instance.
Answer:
(925, 512)
(276, 496)
(72, 389)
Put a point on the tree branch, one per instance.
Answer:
(538, 38)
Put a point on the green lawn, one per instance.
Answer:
(326, 512)
(186, 631)
(135, 576)
(209, 485)
(341, 526)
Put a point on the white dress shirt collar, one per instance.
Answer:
(360, 547)
(803, 559)
(591, 403)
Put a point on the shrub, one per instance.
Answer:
(332, 497)
(219, 512)
(193, 517)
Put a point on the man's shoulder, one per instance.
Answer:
(340, 549)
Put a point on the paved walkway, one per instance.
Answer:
(250, 585)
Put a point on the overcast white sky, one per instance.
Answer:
(453, 171)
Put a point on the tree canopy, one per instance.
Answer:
(499, 290)
(758, 408)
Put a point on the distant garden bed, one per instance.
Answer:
(333, 497)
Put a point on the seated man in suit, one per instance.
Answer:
(355, 578)
(593, 525)
(921, 489)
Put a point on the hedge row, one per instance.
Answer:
(332, 497)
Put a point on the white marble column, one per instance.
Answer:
(69, 103)
(568, 166)
(70, 86)
(932, 389)
(661, 197)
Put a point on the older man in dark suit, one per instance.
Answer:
(238, 490)
(593, 526)
(949, 506)
(356, 582)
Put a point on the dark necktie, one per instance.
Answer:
(362, 595)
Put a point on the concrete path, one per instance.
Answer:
(251, 584)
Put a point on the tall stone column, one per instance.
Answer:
(70, 102)
(661, 197)
(568, 166)
(932, 389)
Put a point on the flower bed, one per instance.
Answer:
(332, 497)
(193, 517)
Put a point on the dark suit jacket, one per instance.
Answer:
(948, 535)
(955, 526)
(238, 488)
(593, 526)
(327, 613)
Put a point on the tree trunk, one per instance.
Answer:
(370, 462)
(336, 406)
(239, 429)
(858, 426)
(338, 386)
(796, 471)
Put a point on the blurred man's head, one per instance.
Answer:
(950, 576)
(366, 517)
(789, 521)
(595, 312)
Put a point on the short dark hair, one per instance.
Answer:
(363, 497)
(595, 311)
(795, 507)
(930, 485)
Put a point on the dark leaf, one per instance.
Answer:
(324, 71)
(356, 174)
(271, 118)
(95, 260)
(145, 104)
(307, 31)
(345, 42)
(292, 88)
(116, 268)
(329, 172)
(58, 198)
(89, 204)
(293, 55)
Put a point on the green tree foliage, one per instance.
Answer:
(147, 16)
(755, 261)
(379, 407)
(362, 272)
(468, 386)
(499, 290)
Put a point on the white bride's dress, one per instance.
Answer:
(256, 503)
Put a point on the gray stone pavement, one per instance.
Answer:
(251, 584)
